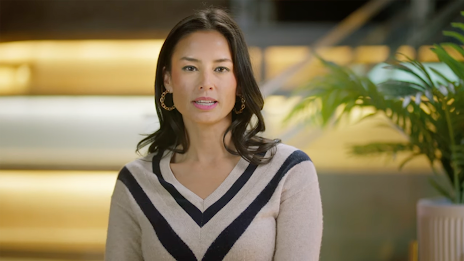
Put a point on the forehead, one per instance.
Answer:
(203, 43)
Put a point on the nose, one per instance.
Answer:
(206, 82)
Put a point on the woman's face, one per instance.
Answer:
(202, 78)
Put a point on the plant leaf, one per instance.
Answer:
(380, 148)
(440, 189)
(394, 88)
(409, 71)
(440, 74)
(455, 35)
(409, 158)
(455, 66)
(366, 116)
(454, 46)
(458, 25)
(421, 68)
(458, 154)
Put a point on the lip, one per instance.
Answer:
(203, 106)
(204, 99)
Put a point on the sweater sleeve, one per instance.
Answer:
(299, 223)
(123, 240)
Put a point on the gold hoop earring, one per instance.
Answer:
(241, 107)
(162, 98)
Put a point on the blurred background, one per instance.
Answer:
(76, 95)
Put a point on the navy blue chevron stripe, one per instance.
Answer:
(167, 236)
(188, 207)
(224, 242)
(238, 184)
(202, 218)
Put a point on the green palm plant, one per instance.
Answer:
(428, 109)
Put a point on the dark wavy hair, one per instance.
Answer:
(244, 131)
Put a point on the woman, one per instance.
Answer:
(210, 188)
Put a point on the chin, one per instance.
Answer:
(211, 120)
(207, 121)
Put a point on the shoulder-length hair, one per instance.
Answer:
(243, 130)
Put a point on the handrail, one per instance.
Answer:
(438, 22)
(347, 26)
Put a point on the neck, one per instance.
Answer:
(206, 143)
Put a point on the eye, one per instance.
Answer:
(222, 69)
(189, 68)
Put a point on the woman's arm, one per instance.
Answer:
(299, 223)
(123, 238)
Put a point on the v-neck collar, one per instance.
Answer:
(196, 200)
(201, 211)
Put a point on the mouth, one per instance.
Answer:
(205, 103)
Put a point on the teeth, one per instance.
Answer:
(204, 102)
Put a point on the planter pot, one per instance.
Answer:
(440, 228)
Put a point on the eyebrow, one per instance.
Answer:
(190, 59)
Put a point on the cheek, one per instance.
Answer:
(232, 91)
(180, 85)
(177, 80)
(233, 86)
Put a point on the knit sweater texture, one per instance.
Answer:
(268, 212)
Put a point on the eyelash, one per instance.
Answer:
(186, 68)
(224, 69)
(189, 68)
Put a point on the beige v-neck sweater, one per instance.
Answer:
(266, 212)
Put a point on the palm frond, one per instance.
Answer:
(341, 86)
(421, 68)
(408, 70)
(301, 109)
(444, 192)
(454, 46)
(429, 112)
(458, 25)
(440, 75)
(381, 148)
(395, 88)
(458, 154)
(369, 115)
(454, 65)
(409, 158)
(455, 35)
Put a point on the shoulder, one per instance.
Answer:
(297, 170)
(290, 159)
(142, 163)
(292, 153)
(137, 169)
(134, 176)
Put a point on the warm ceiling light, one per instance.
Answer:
(371, 54)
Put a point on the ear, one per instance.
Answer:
(167, 80)
(238, 91)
